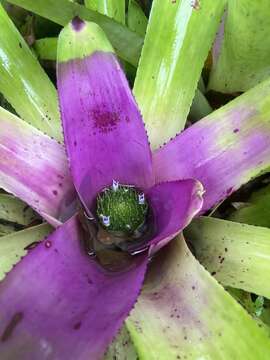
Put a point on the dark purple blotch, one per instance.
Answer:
(15, 320)
(77, 23)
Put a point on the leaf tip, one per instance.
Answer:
(77, 23)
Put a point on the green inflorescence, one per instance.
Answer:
(121, 208)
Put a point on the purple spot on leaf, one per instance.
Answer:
(236, 131)
(77, 325)
(105, 121)
(77, 23)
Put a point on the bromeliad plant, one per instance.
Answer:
(69, 296)
(124, 208)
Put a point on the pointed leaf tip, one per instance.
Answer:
(77, 23)
(80, 39)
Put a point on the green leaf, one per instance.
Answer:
(258, 309)
(266, 313)
(15, 211)
(114, 9)
(12, 247)
(183, 313)
(177, 42)
(259, 302)
(244, 53)
(136, 20)
(6, 105)
(24, 83)
(6, 228)
(126, 43)
(46, 48)
(238, 255)
(121, 348)
(200, 107)
(91, 4)
(243, 297)
(256, 211)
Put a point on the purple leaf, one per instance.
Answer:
(104, 132)
(59, 303)
(34, 168)
(174, 205)
(224, 150)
